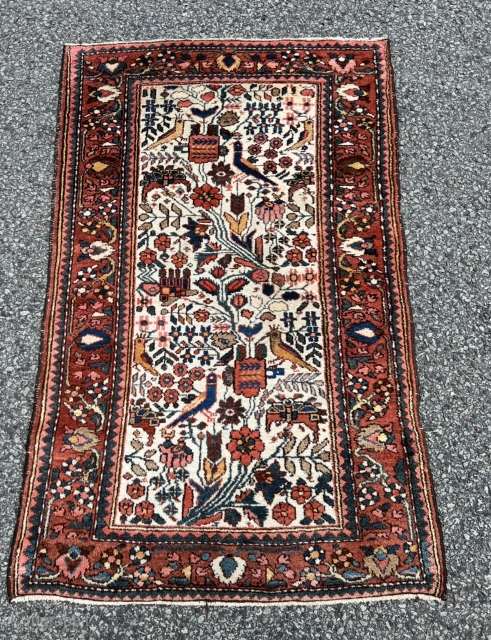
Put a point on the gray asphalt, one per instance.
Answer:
(441, 56)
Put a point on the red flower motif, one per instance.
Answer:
(180, 369)
(254, 149)
(245, 445)
(126, 507)
(171, 396)
(302, 241)
(201, 315)
(284, 513)
(301, 493)
(185, 385)
(311, 255)
(148, 256)
(206, 196)
(179, 259)
(166, 380)
(294, 255)
(144, 510)
(285, 162)
(270, 167)
(154, 394)
(276, 143)
(197, 373)
(314, 510)
(162, 242)
(135, 490)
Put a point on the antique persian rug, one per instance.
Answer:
(227, 398)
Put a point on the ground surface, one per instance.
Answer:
(441, 56)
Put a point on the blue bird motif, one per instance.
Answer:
(247, 167)
(201, 403)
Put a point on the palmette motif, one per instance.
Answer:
(232, 416)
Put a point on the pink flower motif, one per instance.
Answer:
(72, 564)
(270, 211)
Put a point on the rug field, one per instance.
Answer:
(227, 397)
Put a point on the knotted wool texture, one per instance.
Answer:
(227, 409)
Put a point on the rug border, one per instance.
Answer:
(54, 256)
(413, 379)
(61, 152)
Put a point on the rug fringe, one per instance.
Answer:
(216, 604)
(231, 39)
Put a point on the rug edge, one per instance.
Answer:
(42, 372)
(242, 603)
(413, 378)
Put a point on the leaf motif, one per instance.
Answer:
(303, 445)
(290, 466)
(325, 455)
(289, 445)
(321, 468)
(150, 453)
(146, 207)
(309, 222)
(164, 209)
(176, 210)
(243, 220)
(293, 225)
(137, 445)
(137, 470)
(145, 226)
(236, 285)
(207, 285)
(306, 466)
(232, 222)
(318, 447)
(151, 465)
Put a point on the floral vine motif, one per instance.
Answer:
(227, 247)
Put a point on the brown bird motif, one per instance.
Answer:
(306, 136)
(141, 356)
(176, 132)
(284, 351)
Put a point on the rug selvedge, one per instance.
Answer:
(230, 410)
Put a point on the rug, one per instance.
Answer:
(227, 402)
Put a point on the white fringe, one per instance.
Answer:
(250, 603)
(231, 39)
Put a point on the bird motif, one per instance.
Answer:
(141, 356)
(284, 351)
(176, 132)
(306, 135)
(202, 402)
(247, 167)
